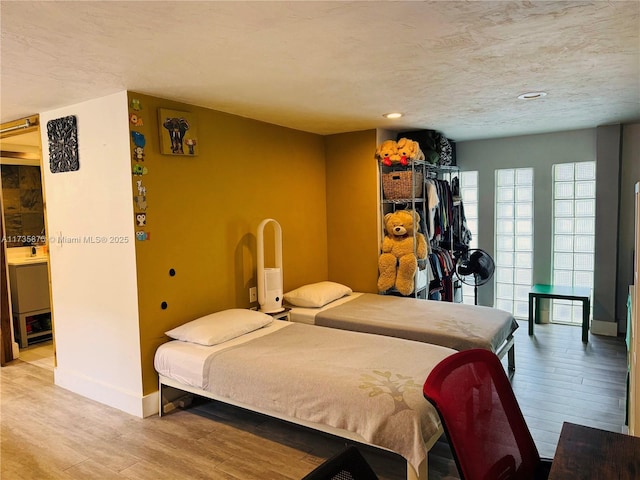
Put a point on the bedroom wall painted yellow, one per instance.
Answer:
(352, 209)
(203, 211)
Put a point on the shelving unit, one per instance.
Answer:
(30, 304)
(415, 175)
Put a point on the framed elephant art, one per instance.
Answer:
(178, 132)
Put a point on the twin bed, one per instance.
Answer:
(454, 325)
(366, 388)
(362, 387)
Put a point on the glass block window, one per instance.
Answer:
(469, 193)
(574, 228)
(514, 240)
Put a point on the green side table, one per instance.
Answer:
(580, 294)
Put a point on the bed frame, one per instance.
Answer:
(422, 474)
(509, 348)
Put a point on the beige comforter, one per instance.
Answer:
(367, 384)
(452, 325)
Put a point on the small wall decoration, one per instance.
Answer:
(178, 132)
(138, 154)
(139, 169)
(141, 219)
(141, 236)
(136, 120)
(140, 202)
(138, 139)
(63, 144)
(135, 104)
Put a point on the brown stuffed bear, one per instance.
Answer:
(409, 151)
(387, 153)
(399, 259)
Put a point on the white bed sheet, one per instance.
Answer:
(186, 362)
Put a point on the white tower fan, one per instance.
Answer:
(270, 279)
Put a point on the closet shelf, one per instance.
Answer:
(396, 201)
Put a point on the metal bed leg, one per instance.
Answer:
(512, 358)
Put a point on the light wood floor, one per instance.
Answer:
(50, 433)
(40, 354)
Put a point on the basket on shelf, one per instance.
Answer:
(402, 184)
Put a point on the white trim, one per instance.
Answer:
(150, 404)
(601, 327)
(111, 395)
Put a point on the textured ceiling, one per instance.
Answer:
(330, 67)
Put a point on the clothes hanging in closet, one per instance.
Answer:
(432, 204)
(461, 232)
(442, 265)
(441, 215)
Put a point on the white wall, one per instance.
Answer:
(94, 285)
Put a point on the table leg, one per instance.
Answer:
(531, 300)
(586, 309)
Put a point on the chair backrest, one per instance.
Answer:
(488, 435)
(346, 465)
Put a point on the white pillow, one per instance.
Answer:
(316, 294)
(220, 326)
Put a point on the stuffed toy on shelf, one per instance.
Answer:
(387, 153)
(409, 151)
(402, 247)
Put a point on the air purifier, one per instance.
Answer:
(270, 278)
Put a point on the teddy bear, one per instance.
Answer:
(387, 153)
(409, 151)
(398, 261)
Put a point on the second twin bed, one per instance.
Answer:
(453, 325)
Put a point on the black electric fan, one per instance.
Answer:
(475, 267)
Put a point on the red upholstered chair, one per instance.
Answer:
(481, 417)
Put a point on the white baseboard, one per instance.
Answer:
(150, 404)
(101, 392)
(600, 327)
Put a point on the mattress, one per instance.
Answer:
(366, 384)
(187, 362)
(452, 325)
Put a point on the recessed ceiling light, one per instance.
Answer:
(532, 95)
(392, 115)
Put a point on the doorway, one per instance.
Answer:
(27, 324)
